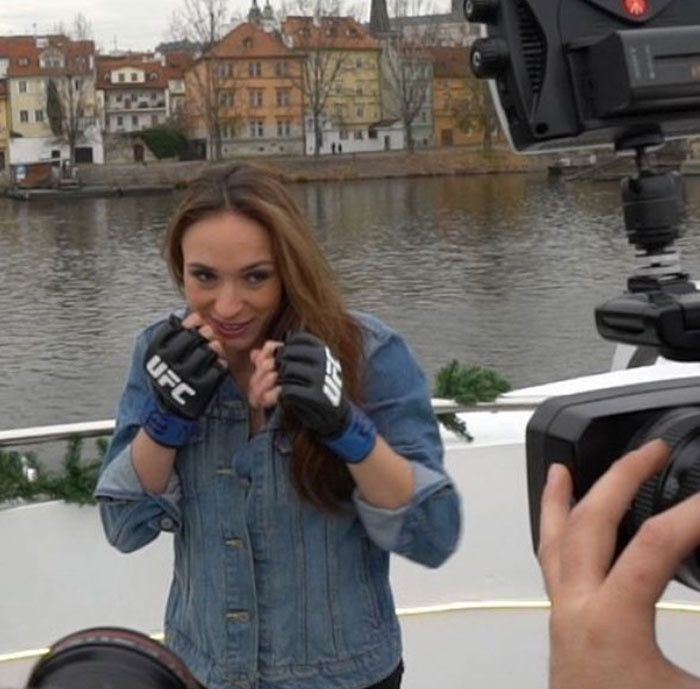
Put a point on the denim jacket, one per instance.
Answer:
(268, 591)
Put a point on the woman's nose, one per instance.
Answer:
(228, 302)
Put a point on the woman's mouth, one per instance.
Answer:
(230, 331)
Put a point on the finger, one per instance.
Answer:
(193, 320)
(258, 392)
(271, 397)
(556, 506)
(206, 331)
(592, 526)
(220, 352)
(268, 350)
(654, 554)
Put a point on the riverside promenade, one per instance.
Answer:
(427, 162)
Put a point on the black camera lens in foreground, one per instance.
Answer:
(588, 431)
(680, 428)
(110, 658)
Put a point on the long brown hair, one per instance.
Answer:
(311, 300)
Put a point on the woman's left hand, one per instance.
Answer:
(263, 388)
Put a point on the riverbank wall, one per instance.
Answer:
(428, 163)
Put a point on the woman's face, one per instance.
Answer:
(230, 278)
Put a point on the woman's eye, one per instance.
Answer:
(203, 275)
(257, 276)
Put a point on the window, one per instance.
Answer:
(120, 121)
(283, 97)
(77, 84)
(22, 86)
(226, 99)
(358, 63)
(281, 69)
(254, 69)
(360, 111)
(39, 115)
(256, 98)
(154, 120)
(122, 76)
(358, 91)
(343, 134)
(358, 134)
(119, 98)
(135, 120)
(257, 129)
(153, 76)
(24, 61)
(24, 115)
(134, 76)
(284, 128)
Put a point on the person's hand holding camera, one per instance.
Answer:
(603, 613)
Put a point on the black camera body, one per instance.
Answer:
(622, 73)
(588, 431)
(573, 73)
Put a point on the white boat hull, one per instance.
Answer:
(478, 621)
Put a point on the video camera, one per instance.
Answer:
(622, 73)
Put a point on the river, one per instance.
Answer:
(502, 271)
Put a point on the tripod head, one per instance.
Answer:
(661, 307)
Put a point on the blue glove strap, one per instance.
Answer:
(357, 440)
(164, 427)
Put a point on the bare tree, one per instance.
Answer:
(204, 22)
(318, 36)
(70, 94)
(407, 70)
(476, 113)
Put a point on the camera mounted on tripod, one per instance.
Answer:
(625, 74)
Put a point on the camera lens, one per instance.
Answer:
(680, 428)
(110, 658)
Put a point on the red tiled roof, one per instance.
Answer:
(24, 53)
(330, 32)
(250, 40)
(105, 66)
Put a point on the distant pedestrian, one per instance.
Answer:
(340, 148)
(333, 148)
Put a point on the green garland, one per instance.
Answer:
(467, 385)
(22, 476)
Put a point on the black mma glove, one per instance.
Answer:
(312, 387)
(184, 373)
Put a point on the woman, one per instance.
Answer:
(288, 444)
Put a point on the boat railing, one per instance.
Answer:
(95, 429)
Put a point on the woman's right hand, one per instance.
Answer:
(263, 387)
(195, 322)
(602, 625)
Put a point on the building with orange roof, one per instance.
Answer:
(454, 87)
(42, 70)
(342, 83)
(243, 95)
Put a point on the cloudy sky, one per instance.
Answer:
(132, 24)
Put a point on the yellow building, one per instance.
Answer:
(243, 96)
(34, 62)
(346, 97)
(456, 119)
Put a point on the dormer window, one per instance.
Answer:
(153, 76)
(106, 77)
(248, 42)
(24, 61)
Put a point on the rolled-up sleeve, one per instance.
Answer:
(131, 516)
(397, 399)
